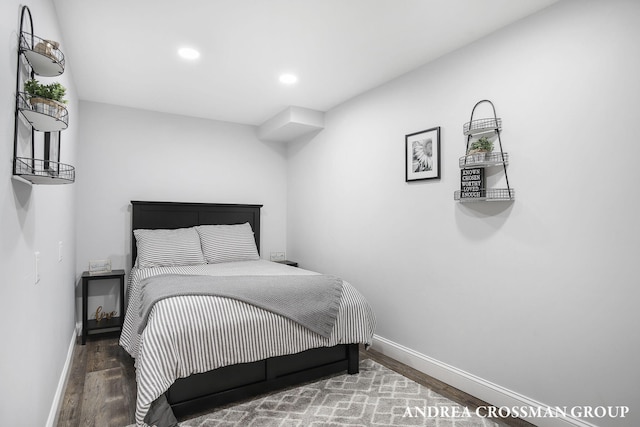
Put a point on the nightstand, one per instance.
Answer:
(93, 324)
(287, 262)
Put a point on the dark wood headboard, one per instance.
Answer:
(154, 215)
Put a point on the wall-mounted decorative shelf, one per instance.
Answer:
(43, 56)
(37, 56)
(43, 114)
(473, 186)
(480, 126)
(488, 195)
(484, 159)
(38, 171)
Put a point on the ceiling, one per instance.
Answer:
(124, 52)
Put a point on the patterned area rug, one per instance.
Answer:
(376, 396)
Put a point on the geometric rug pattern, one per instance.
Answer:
(376, 396)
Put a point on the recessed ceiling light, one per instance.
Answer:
(288, 79)
(188, 53)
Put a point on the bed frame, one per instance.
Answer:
(242, 381)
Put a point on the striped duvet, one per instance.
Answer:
(194, 334)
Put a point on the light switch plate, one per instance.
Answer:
(37, 262)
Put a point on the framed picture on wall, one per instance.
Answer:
(422, 155)
(52, 153)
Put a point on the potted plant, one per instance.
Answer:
(481, 146)
(47, 99)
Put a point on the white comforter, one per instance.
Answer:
(194, 334)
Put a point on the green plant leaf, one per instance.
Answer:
(55, 91)
(483, 144)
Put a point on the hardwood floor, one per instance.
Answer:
(440, 387)
(101, 389)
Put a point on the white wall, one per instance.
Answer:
(538, 296)
(38, 318)
(128, 154)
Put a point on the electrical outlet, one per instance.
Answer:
(37, 259)
(60, 251)
(277, 256)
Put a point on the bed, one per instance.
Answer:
(198, 351)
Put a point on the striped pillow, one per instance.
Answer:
(226, 243)
(165, 248)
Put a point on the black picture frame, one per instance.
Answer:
(422, 155)
(472, 183)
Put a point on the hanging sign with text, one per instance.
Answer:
(472, 183)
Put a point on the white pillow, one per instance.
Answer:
(226, 243)
(165, 248)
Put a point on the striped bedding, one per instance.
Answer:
(193, 334)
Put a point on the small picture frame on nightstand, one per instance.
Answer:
(99, 266)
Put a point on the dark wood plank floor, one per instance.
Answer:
(101, 390)
(440, 387)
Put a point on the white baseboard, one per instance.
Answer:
(485, 390)
(62, 382)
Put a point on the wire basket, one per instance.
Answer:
(482, 126)
(486, 195)
(484, 159)
(43, 55)
(44, 171)
(44, 114)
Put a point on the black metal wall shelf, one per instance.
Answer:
(36, 171)
(476, 127)
(488, 195)
(44, 115)
(491, 128)
(43, 58)
(483, 159)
